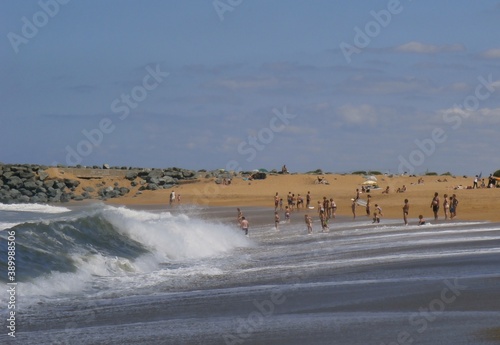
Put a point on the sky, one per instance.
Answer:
(392, 86)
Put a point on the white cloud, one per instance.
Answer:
(491, 54)
(422, 48)
(358, 114)
(487, 116)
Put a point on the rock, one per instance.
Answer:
(31, 185)
(188, 173)
(40, 198)
(124, 190)
(152, 186)
(89, 189)
(26, 175)
(106, 166)
(23, 199)
(131, 175)
(49, 183)
(14, 182)
(42, 175)
(71, 183)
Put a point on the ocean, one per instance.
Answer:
(99, 274)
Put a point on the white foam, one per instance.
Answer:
(7, 225)
(39, 208)
(174, 237)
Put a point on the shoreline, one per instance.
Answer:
(475, 204)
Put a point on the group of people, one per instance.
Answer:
(376, 214)
(491, 182)
(326, 210)
(172, 198)
(449, 206)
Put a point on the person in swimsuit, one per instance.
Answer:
(435, 205)
(276, 220)
(287, 214)
(308, 221)
(421, 220)
(244, 225)
(240, 216)
(406, 209)
(446, 206)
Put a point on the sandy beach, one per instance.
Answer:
(474, 204)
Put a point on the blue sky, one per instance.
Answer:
(339, 85)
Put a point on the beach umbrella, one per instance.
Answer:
(369, 183)
(370, 178)
(263, 170)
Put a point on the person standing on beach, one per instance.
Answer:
(240, 216)
(324, 221)
(276, 202)
(446, 206)
(406, 210)
(435, 205)
(287, 214)
(244, 225)
(326, 205)
(455, 205)
(474, 186)
(353, 208)
(308, 199)
(333, 208)
(276, 220)
(172, 197)
(308, 220)
(368, 198)
(452, 208)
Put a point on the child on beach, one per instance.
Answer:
(276, 220)
(287, 214)
(421, 220)
(308, 221)
(379, 209)
(376, 218)
(281, 204)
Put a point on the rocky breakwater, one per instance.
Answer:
(156, 179)
(31, 184)
(42, 184)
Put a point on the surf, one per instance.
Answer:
(106, 246)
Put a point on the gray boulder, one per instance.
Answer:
(14, 182)
(42, 175)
